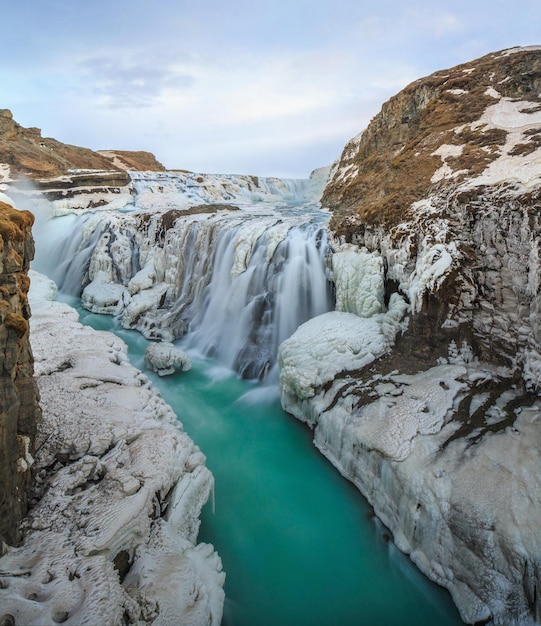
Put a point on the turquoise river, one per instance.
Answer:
(299, 544)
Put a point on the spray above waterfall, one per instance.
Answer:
(231, 282)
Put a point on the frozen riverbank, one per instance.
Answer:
(113, 528)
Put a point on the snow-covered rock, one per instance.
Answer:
(114, 523)
(439, 425)
(165, 358)
(102, 296)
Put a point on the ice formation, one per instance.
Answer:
(437, 421)
(112, 533)
(165, 358)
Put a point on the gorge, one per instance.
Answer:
(394, 297)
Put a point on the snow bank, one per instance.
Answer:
(330, 344)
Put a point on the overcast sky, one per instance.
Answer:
(234, 86)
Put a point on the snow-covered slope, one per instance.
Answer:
(426, 394)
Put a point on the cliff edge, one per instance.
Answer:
(423, 386)
(24, 152)
(19, 409)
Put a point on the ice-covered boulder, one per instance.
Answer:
(165, 358)
(103, 296)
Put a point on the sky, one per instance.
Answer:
(234, 86)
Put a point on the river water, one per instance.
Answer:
(299, 544)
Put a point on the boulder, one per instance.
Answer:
(165, 359)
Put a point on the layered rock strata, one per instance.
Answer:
(19, 409)
(423, 387)
(111, 536)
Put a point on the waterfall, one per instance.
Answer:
(245, 316)
(229, 286)
(187, 188)
(64, 247)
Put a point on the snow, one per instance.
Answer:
(493, 93)
(516, 117)
(109, 450)
(445, 171)
(332, 343)
(165, 358)
(358, 279)
(418, 405)
(520, 49)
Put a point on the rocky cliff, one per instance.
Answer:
(19, 410)
(438, 132)
(25, 152)
(422, 387)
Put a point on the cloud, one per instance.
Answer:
(232, 86)
(446, 24)
(137, 81)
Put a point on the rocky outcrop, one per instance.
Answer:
(27, 153)
(19, 409)
(433, 133)
(423, 387)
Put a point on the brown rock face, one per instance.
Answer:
(391, 165)
(138, 161)
(34, 156)
(451, 166)
(19, 408)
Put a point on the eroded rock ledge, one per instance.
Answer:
(111, 536)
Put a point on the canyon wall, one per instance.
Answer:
(423, 386)
(19, 409)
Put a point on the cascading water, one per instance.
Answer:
(245, 315)
(231, 284)
(65, 258)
